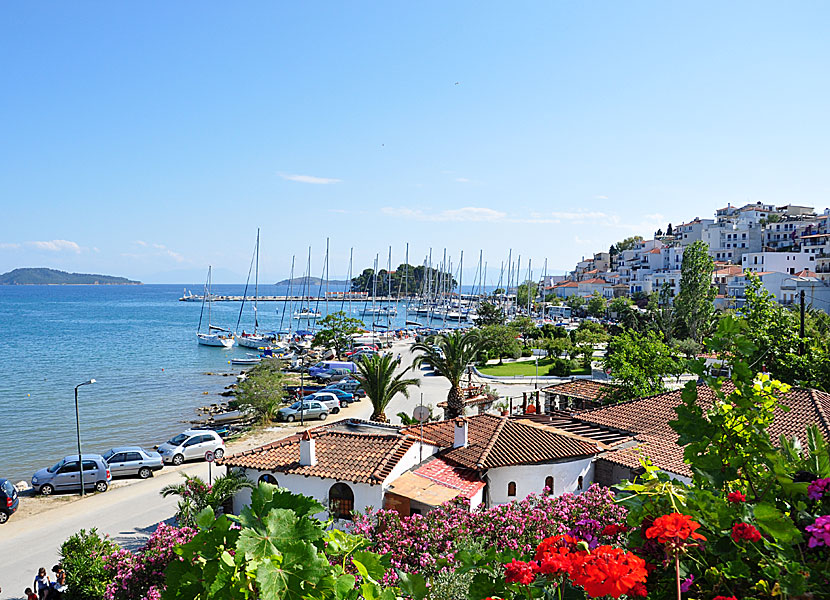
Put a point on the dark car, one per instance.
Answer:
(9, 500)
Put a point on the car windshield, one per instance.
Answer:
(295, 406)
(55, 467)
(178, 440)
(108, 453)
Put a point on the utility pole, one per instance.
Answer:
(801, 327)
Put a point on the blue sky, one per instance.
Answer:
(151, 139)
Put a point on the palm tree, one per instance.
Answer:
(196, 494)
(378, 379)
(450, 354)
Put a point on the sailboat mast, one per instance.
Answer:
(343, 301)
(256, 283)
(460, 286)
(288, 298)
(209, 294)
(204, 299)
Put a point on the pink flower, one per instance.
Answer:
(819, 532)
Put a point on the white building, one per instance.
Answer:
(352, 465)
(688, 233)
(783, 262)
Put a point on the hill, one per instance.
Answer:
(312, 281)
(43, 276)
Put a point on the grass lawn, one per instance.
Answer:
(526, 368)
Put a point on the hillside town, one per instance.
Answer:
(786, 247)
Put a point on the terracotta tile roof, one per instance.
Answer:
(593, 280)
(654, 251)
(567, 284)
(472, 401)
(447, 474)
(649, 419)
(730, 270)
(356, 457)
(806, 273)
(584, 389)
(499, 442)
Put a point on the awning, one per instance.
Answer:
(423, 490)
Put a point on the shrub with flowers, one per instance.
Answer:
(140, 575)
(421, 543)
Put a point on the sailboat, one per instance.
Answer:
(252, 340)
(224, 339)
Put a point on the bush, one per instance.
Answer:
(560, 367)
(83, 556)
(527, 352)
(517, 353)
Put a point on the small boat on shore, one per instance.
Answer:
(253, 360)
(307, 313)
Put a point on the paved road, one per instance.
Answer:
(128, 514)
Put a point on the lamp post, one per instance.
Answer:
(78, 429)
(536, 383)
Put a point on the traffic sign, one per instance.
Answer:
(209, 456)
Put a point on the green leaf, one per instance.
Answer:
(344, 586)
(270, 580)
(412, 584)
(485, 586)
(369, 565)
(772, 521)
(205, 518)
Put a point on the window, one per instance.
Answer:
(511, 488)
(579, 482)
(193, 441)
(90, 465)
(549, 484)
(341, 501)
(70, 467)
(133, 457)
(116, 458)
(268, 478)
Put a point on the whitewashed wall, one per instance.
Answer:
(530, 479)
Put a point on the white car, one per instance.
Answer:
(329, 400)
(192, 444)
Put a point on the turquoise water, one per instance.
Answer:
(137, 342)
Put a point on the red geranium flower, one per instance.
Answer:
(614, 529)
(745, 531)
(517, 571)
(638, 590)
(553, 544)
(736, 497)
(674, 527)
(608, 571)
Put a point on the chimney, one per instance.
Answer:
(460, 438)
(308, 452)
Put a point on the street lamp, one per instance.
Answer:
(78, 429)
(536, 383)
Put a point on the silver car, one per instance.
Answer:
(190, 444)
(65, 475)
(133, 460)
(311, 409)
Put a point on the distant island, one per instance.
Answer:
(313, 281)
(43, 276)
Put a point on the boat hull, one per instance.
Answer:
(214, 340)
(252, 341)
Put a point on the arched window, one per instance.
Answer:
(268, 478)
(511, 488)
(579, 482)
(341, 501)
(549, 484)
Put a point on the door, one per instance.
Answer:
(116, 463)
(92, 474)
(191, 447)
(133, 462)
(68, 476)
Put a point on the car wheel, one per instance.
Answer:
(219, 453)
(323, 416)
(290, 418)
(4, 516)
(178, 459)
(144, 472)
(334, 411)
(101, 486)
(344, 404)
(47, 489)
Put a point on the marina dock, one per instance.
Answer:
(306, 299)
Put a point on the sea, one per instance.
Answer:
(139, 344)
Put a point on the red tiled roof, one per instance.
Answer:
(730, 270)
(654, 251)
(649, 419)
(806, 273)
(580, 388)
(356, 457)
(452, 476)
(567, 284)
(499, 442)
(594, 280)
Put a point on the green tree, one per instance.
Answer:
(662, 312)
(261, 391)
(638, 363)
(489, 314)
(629, 243)
(528, 288)
(450, 354)
(82, 557)
(695, 302)
(524, 327)
(499, 340)
(597, 305)
(336, 331)
(575, 301)
(377, 376)
(557, 347)
(195, 495)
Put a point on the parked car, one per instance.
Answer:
(133, 460)
(311, 409)
(348, 385)
(331, 401)
(342, 395)
(328, 365)
(190, 444)
(333, 375)
(66, 475)
(8, 500)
